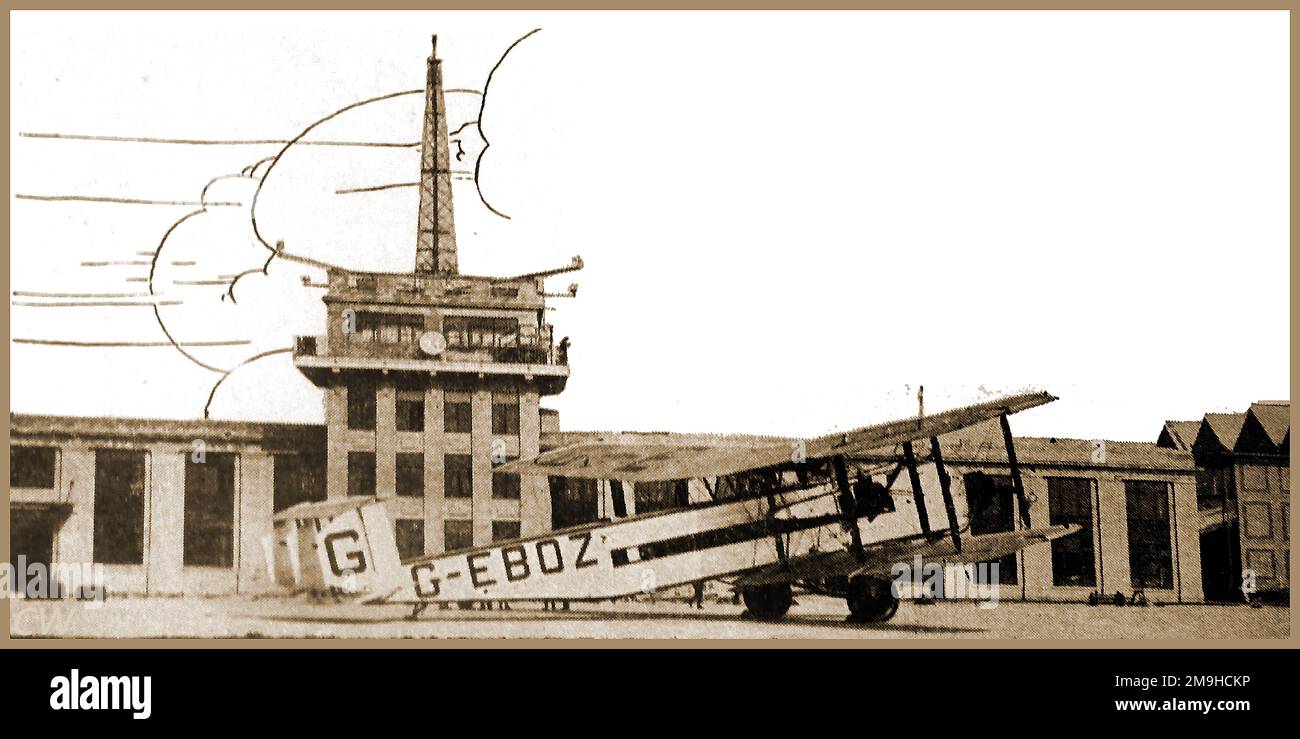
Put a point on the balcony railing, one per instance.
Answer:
(420, 287)
(533, 345)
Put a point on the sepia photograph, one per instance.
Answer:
(586, 326)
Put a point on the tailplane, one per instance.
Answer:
(343, 547)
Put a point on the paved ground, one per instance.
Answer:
(813, 617)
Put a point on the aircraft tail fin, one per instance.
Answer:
(346, 546)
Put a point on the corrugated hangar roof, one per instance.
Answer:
(1226, 427)
(984, 443)
(1181, 434)
(1275, 417)
(89, 427)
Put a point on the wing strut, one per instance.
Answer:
(945, 485)
(782, 555)
(1015, 471)
(620, 502)
(848, 505)
(918, 495)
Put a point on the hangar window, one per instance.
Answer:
(505, 530)
(209, 539)
(361, 405)
(991, 499)
(1069, 501)
(410, 474)
(458, 476)
(410, 538)
(31, 467)
(457, 534)
(505, 485)
(119, 507)
(297, 478)
(1150, 561)
(574, 501)
(361, 473)
(457, 415)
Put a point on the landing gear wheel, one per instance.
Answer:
(768, 602)
(871, 600)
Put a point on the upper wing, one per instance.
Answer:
(650, 457)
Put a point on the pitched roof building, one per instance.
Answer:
(1243, 497)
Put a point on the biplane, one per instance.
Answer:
(830, 513)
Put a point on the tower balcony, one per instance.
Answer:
(529, 355)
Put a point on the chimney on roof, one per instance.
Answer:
(435, 246)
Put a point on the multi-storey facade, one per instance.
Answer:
(433, 377)
(430, 382)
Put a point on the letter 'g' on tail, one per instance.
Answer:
(343, 547)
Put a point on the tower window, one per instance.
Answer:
(361, 473)
(389, 328)
(410, 538)
(410, 474)
(479, 332)
(505, 485)
(457, 534)
(458, 476)
(361, 405)
(505, 530)
(410, 410)
(457, 414)
(505, 413)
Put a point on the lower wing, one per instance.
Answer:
(879, 559)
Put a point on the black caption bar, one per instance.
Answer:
(415, 687)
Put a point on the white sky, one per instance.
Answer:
(789, 220)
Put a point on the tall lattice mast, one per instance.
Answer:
(435, 248)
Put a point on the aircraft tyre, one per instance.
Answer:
(871, 600)
(768, 602)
